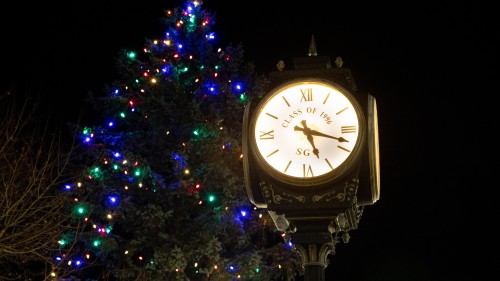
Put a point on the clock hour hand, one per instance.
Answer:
(306, 131)
(319, 134)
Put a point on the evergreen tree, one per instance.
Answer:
(162, 193)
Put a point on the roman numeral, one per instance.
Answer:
(307, 171)
(348, 129)
(307, 94)
(267, 135)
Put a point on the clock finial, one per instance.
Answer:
(339, 62)
(280, 65)
(312, 47)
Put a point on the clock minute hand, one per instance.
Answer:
(319, 134)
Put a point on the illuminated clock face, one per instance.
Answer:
(306, 130)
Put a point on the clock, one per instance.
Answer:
(307, 132)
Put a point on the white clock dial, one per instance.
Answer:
(306, 129)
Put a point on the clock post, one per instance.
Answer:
(311, 156)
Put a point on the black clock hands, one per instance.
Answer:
(306, 131)
(319, 134)
(310, 133)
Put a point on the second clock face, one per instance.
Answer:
(307, 129)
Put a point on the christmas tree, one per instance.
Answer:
(162, 195)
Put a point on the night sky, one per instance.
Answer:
(431, 66)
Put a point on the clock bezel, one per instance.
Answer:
(319, 181)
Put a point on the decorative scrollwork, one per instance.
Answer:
(278, 198)
(347, 194)
(310, 254)
(301, 199)
(302, 253)
(326, 249)
(359, 213)
(269, 192)
(330, 196)
(338, 196)
(351, 187)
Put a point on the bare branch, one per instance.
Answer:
(34, 211)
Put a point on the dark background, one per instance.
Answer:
(433, 68)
